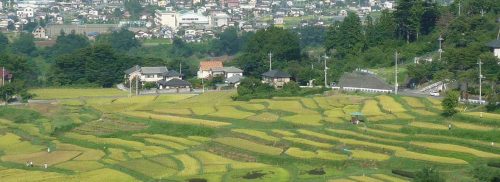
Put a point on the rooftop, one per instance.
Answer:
(494, 44)
(363, 80)
(276, 74)
(207, 65)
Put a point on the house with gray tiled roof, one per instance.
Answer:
(276, 78)
(146, 74)
(364, 82)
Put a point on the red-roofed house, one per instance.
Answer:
(206, 67)
(5, 74)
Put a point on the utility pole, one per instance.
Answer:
(480, 82)
(136, 86)
(396, 74)
(326, 68)
(270, 61)
(203, 85)
(3, 76)
(440, 46)
(180, 67)
(130, 88)
(459, 8)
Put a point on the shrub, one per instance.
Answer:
(407, 174)
(450, 102)
(494, 164)
(428, 175)
(485, 173)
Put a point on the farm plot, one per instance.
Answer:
(413, 102)
(191, 165)
(251, 107)
(426, 125)
(491, 116)
(264, 117)
(309, 103)
(108, 126)
(321, 101)
(148, 168)
(308, 142)
(388, 133)
(179, 140)
(75, 93)
(210, 159)
(80, 166)
(177, 119)
(371, 108)
(367, 155)
(87, 153)
(469, 126)
(424, 112)
(40, 158)
(430, 158)
(337, 112)
(257, 134)
(303, 119)
(364, 178)
(361, 135)
(249, 145)
(455, 148)
(389, 104)
(348, 109)
(178, 111)
(12, 144)
(203, 110)
(289, 106)
(388, 178)
(230, 112)
(283, 132)
(320, 154)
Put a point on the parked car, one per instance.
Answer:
(435, 94)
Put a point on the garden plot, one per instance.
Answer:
(389, 104)
(371, 108)
(455, 148)
(177, 119)
(230, 112)
(303, 119)
(258, 134)
(249, 145)
(289, 106)
(264, 117)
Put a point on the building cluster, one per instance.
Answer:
(192, 20)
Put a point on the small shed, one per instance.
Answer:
(356, 117)
(175, 83)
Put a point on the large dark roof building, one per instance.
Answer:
(276, 74)
(363, 82)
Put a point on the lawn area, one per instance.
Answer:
(67, 93)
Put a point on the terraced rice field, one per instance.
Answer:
(185, 137)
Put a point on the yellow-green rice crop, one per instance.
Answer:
(264, 117)
(389, 104)
(403, 115)
(427, 125)
(309, 103)
(430, 158)
(391, 126)
(154, 150)
(371, 108)
(199, 138)
(388, 178)
(455, 148)
(323, 154)
(302, 119)
(469, 141)
(470, 126)
(65, 93)
(384, 117)
(147, 168)
(72, 102)
(166, 161)
(166, 143)
(351, 108)
(191, 165)
(289, 106)
(424, 112)
(283, 132)
(341, 180)
(366, 155)
(80, 166)
(134, 155)
(40, 158)
(414, 102)
(177, 119)
(180, 111)
(207, 158)
(108, 141)
(388, 133)
(361, 135)
(364, 178)
(104, 174)
(202, 110)
(334, 120)
(321, 101)
(230, 112)
(486, 115)
(252, 107)
(173, 97)
(117, 154)
(336, 112)
(88, 154)
(299, 153)
(248, 145)
(308, 142)
(12, 144)
(179, 140)
(434, 101)
(214, 168)
(258, 134)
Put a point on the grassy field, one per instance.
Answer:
(100, 134)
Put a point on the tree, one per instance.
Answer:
(67, 44)
(228, 42)
(350, 39)
(4, 42)
(134, 7)
(428, 175)
(22, 68)
(450, 102)
(24, 44)
(121, 40)
(17, 88)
